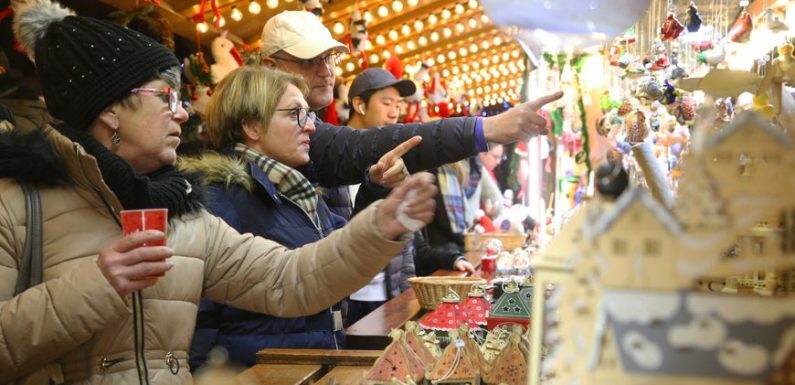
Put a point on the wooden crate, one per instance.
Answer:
(510, 241)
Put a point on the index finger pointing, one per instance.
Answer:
(540, 102)
(406, 146)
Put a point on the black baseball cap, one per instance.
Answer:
(376, 79)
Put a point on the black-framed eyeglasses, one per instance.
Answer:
(169, 96)
(330, 61)
(301, 114)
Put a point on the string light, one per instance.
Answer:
(440, 58)
(430, 62)
(236, 15)
(374, 58)
(393, 35)
(484, 18)
(423, 41)
(451, 55)
(338, 28)
(446, 72)
(472, 23)
(497, 40)
(383, 11)
(387, 54)
(459, 9)
(410, 45)
(221, 21)
(412, 3)
(398, 49)
(459, 27)
(462, 51)
(338, 71)
(380, 40)
(350, 67)
(432, 19)
(434, 36)
(473, 4)
(445, 14)
(473, 48)
(447, 32)
(272, 4)
(397, 6)
(202, 27)
(418, 25)
(405, 30)
(368, 17)
(254, 8)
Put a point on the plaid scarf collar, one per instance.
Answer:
(453, 198)
(291, 183)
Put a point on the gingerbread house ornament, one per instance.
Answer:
(397, 362)
(414, 341)
(447, 316)
(455, 366)
(510, 366)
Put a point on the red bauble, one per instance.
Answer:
(671, 28)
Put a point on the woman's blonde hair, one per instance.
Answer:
(248, 94)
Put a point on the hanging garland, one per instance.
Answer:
(585, 154)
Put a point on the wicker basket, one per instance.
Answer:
(510, 241)
(431, 290)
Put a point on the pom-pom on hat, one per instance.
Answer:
(85, 64)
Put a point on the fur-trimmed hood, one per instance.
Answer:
(30, 157)
(217, 168)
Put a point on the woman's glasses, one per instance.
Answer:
(301, 114)
(169, 96)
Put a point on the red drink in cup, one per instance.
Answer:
(133, 221)
(488, 264)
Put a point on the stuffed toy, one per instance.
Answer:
(693, 18)
(227, 57)
(416, 111)
(359, 36)
(436, 93)
(313, 6)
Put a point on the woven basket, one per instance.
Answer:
(431, 290)
(510, 241)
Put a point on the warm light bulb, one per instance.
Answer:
(254, 8)
(410, 45)
(462, 51)
(459, 27)
(418, 25)
(475, 65)
(445, 14)
(368, 17)
(459, 9)
(434, 36)
(398, 49)
(432, 19)
(446, 72)
(485, 44)
(430, 62)
(350, 67)
(405, 30)
(497, 40)
(447, 32)
(465, 67)
(393, 35)
(221, 22)
(272, 4)
(338, 28)
(440, 58)
(505, 56)
(236, 15)
(383, 11)
(338, 71)
(412, 2)
(473, 4)
(451, 55)
(456, 70)
(484, 18)
(380, 40)
(374, 58)
(397, 6)
(202, 27)
(473, 48)
(515, 54)
(387, 54)
(423, 41)
(472, 23)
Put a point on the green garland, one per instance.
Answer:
(585, 154)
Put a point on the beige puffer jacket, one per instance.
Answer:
(77, 321)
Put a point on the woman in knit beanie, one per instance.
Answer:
(115, 309)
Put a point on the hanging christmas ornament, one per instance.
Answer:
(670, 93)
(693, 20)
(686, 110)
(648, 88)
(625, 108)
(671, 28)
(741, 30)
(676, 72)
(774, 22)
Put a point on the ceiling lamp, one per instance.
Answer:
(412, 2)
(418, 25)
(484, 18)
(473, 4)
(254, 8)
(451, 55)
(380, 40)
(423, 41)
(338, 28)
(459, 27)
(447, 32)
(410, 45)
(393, 35)
(497, 40)
(202, 27)
(459, 9)
(368, 17)
(432, 19)
(446, 72)
(473, 48)
(350, 67)
(236, 15)
(398, 49)
(485, 44)
(434, 36)
(462, 51)
(383, 11)
(446, 14)
(440, 58)
(387, 54)
(272, 4)
(338, 71)
(374, 58)
(472, 23)
(405, 29)
(397, 6)
(430, 62)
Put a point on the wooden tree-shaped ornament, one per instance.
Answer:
(455, 366)
(472, 349)
(477, 307)
(414, 341)
(510, 367)
(447, 316)
(397, 362)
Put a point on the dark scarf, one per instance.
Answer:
(164, 188)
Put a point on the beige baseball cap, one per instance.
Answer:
(298, 33)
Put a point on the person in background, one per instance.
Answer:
(260, 123)
(374, 99)
(297, 42)
(115, 309)
(28, 111)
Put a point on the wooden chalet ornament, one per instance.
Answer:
(414, 341)
(631, 310)
(472, 349)
(397, 362)
(455, 366)
(496, 340)
(510, 367)
(511, 307)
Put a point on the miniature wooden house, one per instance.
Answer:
(511, 307)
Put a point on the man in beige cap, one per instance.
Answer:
(297, 42)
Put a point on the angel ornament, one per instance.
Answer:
(780, 71)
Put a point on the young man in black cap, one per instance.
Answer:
(374, 98)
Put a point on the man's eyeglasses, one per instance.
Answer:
(330, 61)
(169, 96)
(301, 114)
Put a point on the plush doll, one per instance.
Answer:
(313, 6)
(693, 18)
(227, 57)
(359, 36)
(394, 66)
(436, 92)
(415, 111)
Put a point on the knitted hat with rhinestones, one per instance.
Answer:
(85, 64)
